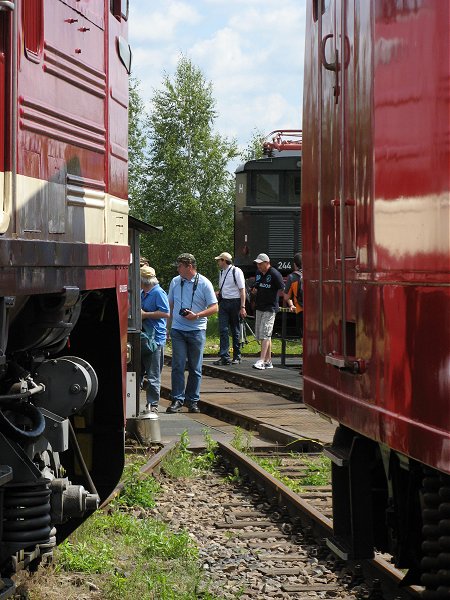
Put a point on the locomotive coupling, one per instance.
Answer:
(68, 501)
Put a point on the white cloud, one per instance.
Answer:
(252, 53)
(153, 26)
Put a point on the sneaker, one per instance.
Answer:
(259, 364)
(149, 409)
(268, 365)
(236, 361)
(194, 408)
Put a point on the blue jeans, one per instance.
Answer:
(152, 363)
(229, 320)
(187, 345)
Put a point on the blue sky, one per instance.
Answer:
(250, 50)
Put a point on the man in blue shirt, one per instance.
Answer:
(155, 311)
(192, 300)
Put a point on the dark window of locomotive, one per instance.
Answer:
(265, 189)
(33, 28)
(292, 192)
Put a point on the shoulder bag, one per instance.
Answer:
(148, 342)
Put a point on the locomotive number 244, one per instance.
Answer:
(283, 265)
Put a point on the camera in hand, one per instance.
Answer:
(183, 312)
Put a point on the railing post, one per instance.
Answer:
(283, 336)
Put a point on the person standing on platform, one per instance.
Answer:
(293, 293)
(268, 282)
(231, 299)
(192, 300)
(154, 311)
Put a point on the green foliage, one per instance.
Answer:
(139, 489)
(160, 542)
(207, 459)
(138, 131)
(189, 191)
(178, 463)
(151, 582)
(318, 471)
(135, 557)
(293, 347)
(94, 556)
(254, 148)
(242, 439)
(182, 462)
(234, 477)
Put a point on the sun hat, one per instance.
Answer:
(147, 272)
(225, 256)
(262, 258)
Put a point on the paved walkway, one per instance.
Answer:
(219, 397)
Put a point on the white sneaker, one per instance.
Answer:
(268, 365)
(259, 364)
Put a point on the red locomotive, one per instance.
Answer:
(376, 257)
(64, 262)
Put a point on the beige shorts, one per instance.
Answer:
(264, 324)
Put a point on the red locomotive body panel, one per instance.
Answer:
(376, 138)
(376, 267)
(64, 254)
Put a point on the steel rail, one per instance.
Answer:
(321, 526)
(151, 465)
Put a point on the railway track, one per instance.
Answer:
(258, 537)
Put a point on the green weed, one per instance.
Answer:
(139, 489)
(182, 462)
(93, 557)
(242, 439)
(318, 471)
(178, 463)
(206, 460)
(234, 477)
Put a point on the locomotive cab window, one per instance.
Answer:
(33, 28)
(293, 186)
(275, 189)
(265, 189)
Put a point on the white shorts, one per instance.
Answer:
(264, 324)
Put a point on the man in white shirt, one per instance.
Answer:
(231, 298)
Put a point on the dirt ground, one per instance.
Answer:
(46, 584)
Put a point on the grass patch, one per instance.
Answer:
(318, 471)
(251, 348)
(182, 462)
(130, 555)
(242, 439)
(140, 489)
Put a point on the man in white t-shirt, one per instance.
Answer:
(231, 298)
